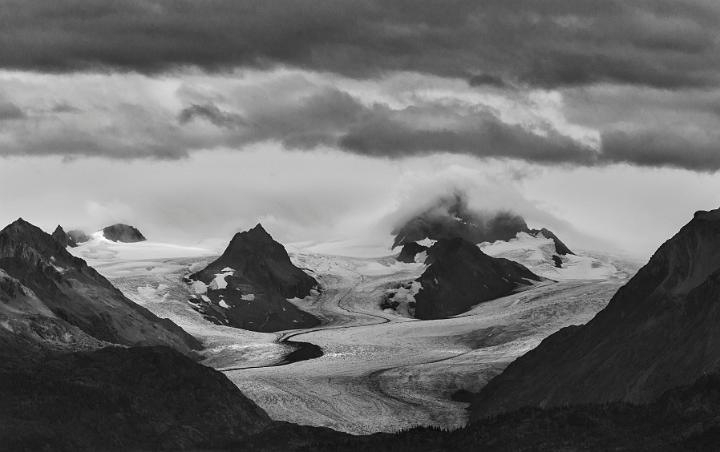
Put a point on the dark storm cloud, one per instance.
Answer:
(487, 80)
(550, 43)
(658, 148)
(393, 134)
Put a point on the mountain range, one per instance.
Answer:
(84, 368)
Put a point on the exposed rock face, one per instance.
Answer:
(248, 286)
(659, 331)
(123, 233)
(560, 247)
(409, 251)
(143, 398)
(452, 218)
(52, 297)
(77, 236)
(63, 238)
(461, 276)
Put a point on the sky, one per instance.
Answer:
(332, 121)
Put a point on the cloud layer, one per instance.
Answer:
(550, 82)
(405, 115)
(553, 43)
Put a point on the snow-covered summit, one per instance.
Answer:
(99, 248)
(538, 253)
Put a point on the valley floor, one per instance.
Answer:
(380, 372)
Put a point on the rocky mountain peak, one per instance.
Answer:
(253, 278)
(459, 276)
(123, 233)
(63, 237)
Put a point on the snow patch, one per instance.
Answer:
(219, 281)
(401, 299)
(223, 304)
(248, 297)
(536, 253)
(199, 287)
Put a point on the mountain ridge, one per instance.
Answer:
(657, 332)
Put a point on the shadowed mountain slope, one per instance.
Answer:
(43, 287)
(142, 398)
(659, 331)
(248, 286)
(460, 276)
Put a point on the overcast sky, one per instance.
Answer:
(332, 120)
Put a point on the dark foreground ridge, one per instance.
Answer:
(248, 286)
(659, 331)
(143, 398)
(683, 419)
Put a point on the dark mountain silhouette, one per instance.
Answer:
(460, 276)
(140, 398)
(248, 286)
(49, 294)
(123, 233)
(63, 238)
(658, 331)
(451, 218)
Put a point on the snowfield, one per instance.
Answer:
(380, 371)
(536, 253)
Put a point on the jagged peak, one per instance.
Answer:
(256, 233)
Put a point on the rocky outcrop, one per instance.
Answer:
(451, 218)
(43, 285)
(658, 331)
(63, 238)
(460, 276)
(123, 233)
(560, 247)
(248, 286)
(409, 251)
